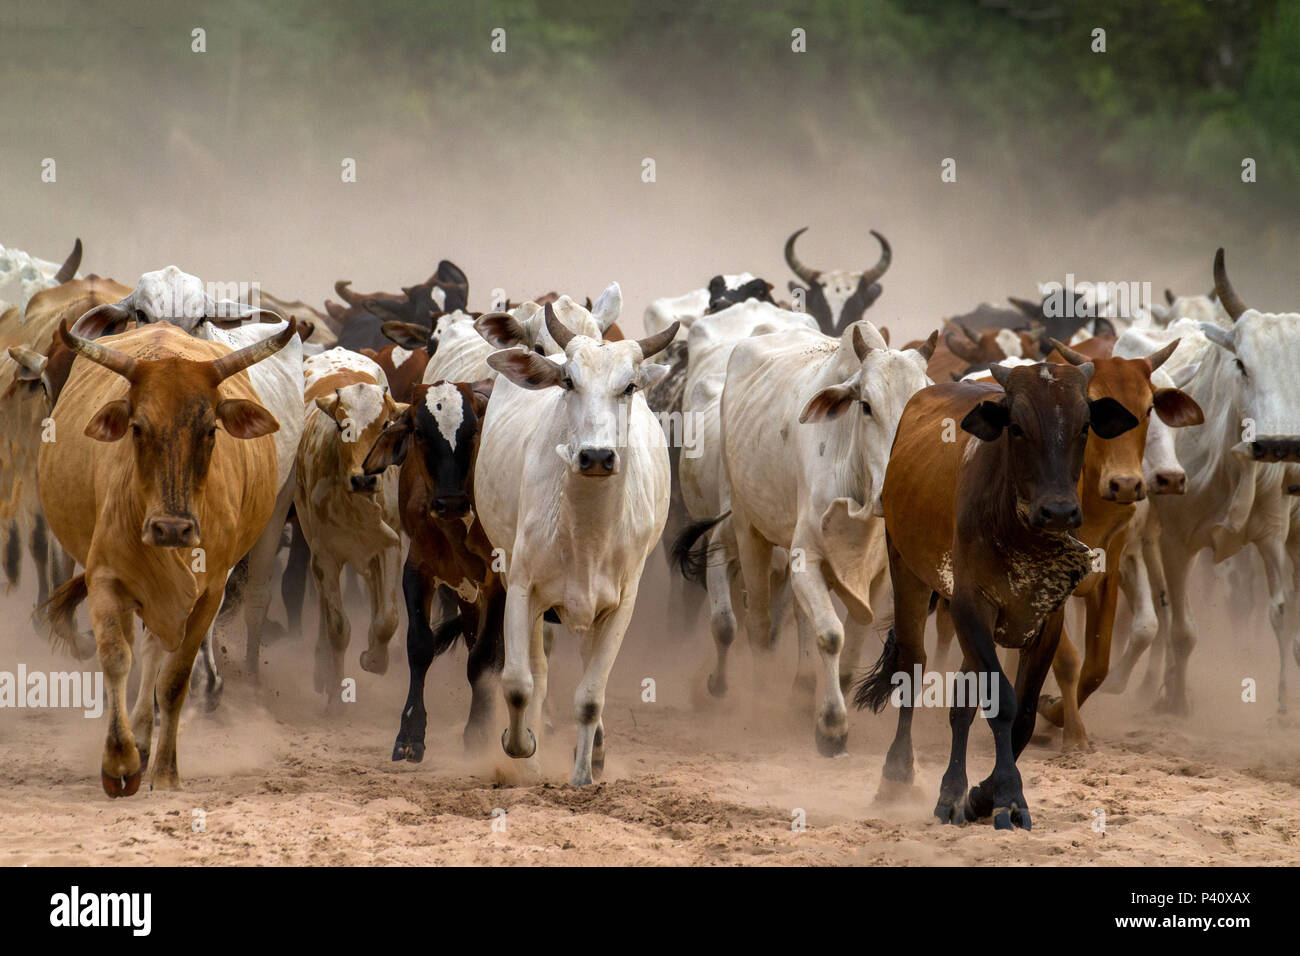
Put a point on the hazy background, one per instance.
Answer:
(524, 167)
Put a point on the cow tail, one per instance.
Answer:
(689, 560)
(875, 686)
(446, 633)
(13, 556)
(58, 615)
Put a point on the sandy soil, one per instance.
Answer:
(689, 780)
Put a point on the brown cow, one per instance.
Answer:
(435, 442)
(403, 366)
(1109, 489)
(157, 520)
(982, 517)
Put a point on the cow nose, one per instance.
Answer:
(596, 461)
(171, 532)
(451, 506)
(1171, 482)
(1126, 489)
(364, 482)
(1058, 515)
(1276, 448)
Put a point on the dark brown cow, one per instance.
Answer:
(982, 517)
(436, 443)
(360, 323)
(404, 368)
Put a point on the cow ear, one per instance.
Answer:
(526, 369)
(1177, 409)
(501, 329)
(327, 403)
(110, 422)
(245, 419)
(31, 363)
(1110, 419)
(652, 375)
(399, 409)
(986, 420)
(390, 448)
(407, 335)
(829, 403)
(480, 394)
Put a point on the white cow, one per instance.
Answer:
(572, 483)
(701, 473)
(686, 308)
(807, 425)
(1236, 484)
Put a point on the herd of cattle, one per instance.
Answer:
(520, 467)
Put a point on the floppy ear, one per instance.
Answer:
(651, 375)
(390, 447)
(481, 394)
(31, 363)
(1185, 374)
(607, 306)
(986, 420)
(327, 403)
(109, 423)
(829, 403)
(1177, 409)
(501, 329)
(526, 369)
(1110, 419)
(407, 335)
(382, 309)
(245, 419)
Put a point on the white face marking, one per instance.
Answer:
(1009, 342)
(445, 404)
(400, 356)
(362, 403)
(1046, 373)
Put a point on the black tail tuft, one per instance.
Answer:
(13, 556)
(689, 560)
(875, 686)
(446, 633)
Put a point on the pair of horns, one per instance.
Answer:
(811, 275)
(649, 346)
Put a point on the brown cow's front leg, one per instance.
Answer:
(1063, 711)
(174, 683)
(1035, 661)
(483, 668)
(152, 653)
(381, 581)
(110, 617)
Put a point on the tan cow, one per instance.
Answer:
(347, 516)
(161, 476)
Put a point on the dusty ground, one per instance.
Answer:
(688, 781)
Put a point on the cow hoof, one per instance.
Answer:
(408, 750)
(212, 694)
(122, 786)
(948, 811)
(1076, 745)
(1011, 818)
(376, 661)
(521, 755)
(717, 686)
(831, 746)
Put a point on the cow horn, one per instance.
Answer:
(802, 271)
(1000, 373)
(881, 266)
(1169, 297)
(70, 265)
(559, 331)
(1071, 356)
(860, 346)
(228, 365)
(1227, 295)
(1157, 359)
(111, 359)
(926, 348)
(657, 343)
(347, 295)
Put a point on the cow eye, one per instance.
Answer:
(1016, 430)
(1241, 367)
(866, 407)
(631, 387)
(566, 383)
(136, 430)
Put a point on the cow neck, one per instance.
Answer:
(1211, 464)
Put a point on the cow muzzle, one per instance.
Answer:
(1271, 448)
(365, 484)
(450, 506)
(170, 531)
(597, 462)
(1060, 514)
(1123, 489)
(1170, 482)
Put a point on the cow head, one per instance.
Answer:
(171, 412)
(1120, 462)
(838, 298)
(442, 425)
(1042, 420)
(600, 380)
(879, 382)
(167, 295)
(1161, 469)
(360, 412)
(527, 325)
(1255, 362)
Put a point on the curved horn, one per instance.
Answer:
(799, 269)
(1169, 297)
(347, 295)
(111, 359)
(926, 348)
(559, 331)
(882, 265)
(1157, 359)
(228, 365)
(657, 343)
(1071, 356)
(1223, 288)
(70, 265)
(1000, 373)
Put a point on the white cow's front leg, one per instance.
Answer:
(1273, 551)
(335, 631)
(722, 616)
(814, 606)
(517, 674)
(261, 572)
(599, 648)
(142, 714)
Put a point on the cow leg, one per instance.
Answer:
(1135, 582)
(1182, 636)
(174, 682)
(483, 670)
(817, 615)
(1273, 551)
(1035, 661)
(1101, 625)
(335, 631)
(722, 616)
(113, 624)
(1155, 567)
(755, 555)
(39, 545)
(381, 582)
(517, 685)
(1063, 711)
(293, 585)
(419, 655)
(261, 571)
(599, 648)
(13, 555)
(206, 673)
(152, 653)
(782, 601)
(904, 652)
(953, 805)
